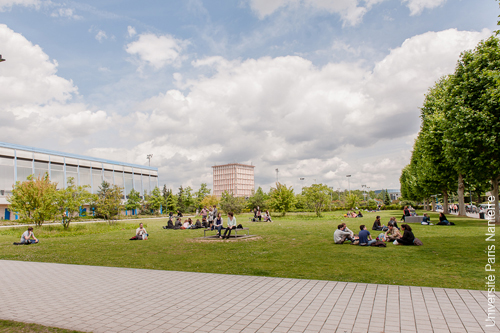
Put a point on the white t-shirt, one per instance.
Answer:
(140, 231)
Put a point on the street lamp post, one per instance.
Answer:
(277, 179)
(338, 190)
(149, 157)
(349, 182)
(364, 191)
(301, 184)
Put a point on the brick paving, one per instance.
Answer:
(109, 299)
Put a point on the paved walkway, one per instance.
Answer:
(107, 299)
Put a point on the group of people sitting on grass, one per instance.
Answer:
(353, 214)
(364, 238)
(216, 224)
(257, 215)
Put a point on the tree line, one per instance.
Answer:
(458, 145)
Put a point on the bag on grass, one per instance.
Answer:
(417, 242)
(239, 226)
(379, 244)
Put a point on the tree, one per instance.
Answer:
(189, 201)
(108, 201)
(70, 200)
(436, 173)
(282, 199)
(171, 202)
(133, 201)
(201, 194)
(472, 117)
(352, 200)
(258, 199)
(209, 201)
(181, 204)
(155, 200)
(230, 203)
(317, 196)
(387, 198)
(33, 199)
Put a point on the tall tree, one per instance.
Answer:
(70, 200)
(282, 199)
(317, 197)
(33, 199)
(230, 203)
(108, 202)
(472, 116)
(155, 200)
(201, 194)
(133, 201)
(258, 199)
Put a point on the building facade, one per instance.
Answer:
(18, 162)
(235, 178)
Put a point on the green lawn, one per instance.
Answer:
(18, 327)
(295, 246)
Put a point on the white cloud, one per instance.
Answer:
(7, 4)
(285, 112)
(131, 31)
(65, 12)
(350, 11)
(100, 36)
(158, 51)
(36, 103)
(417, 6)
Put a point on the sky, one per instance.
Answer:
(318, 89)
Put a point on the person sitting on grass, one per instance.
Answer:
(426, 220)
(231, 224)
(267, 217)
(365, 239)
(376, 225)
(353, 236)
(359, 214)
(408, 236)
(187, 224)
(443, 220)
(28, 237)
(353, 214)
(340, 235)
(218, 224)
(170, 224)
(140, 233)
(178, 223)
(394, 222)
(393, 233)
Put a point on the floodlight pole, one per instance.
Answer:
(149, 157)
(349, 182)
(277, 179)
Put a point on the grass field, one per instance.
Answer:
(8, 326)
(295, 246)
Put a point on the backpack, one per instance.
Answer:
(417, 242)
(239, 226)
(379, 244)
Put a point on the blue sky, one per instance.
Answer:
(316, 88)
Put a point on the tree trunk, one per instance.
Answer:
(445, 202)
(427, 204)
(433, 203)
(461, 201)
(494, 183)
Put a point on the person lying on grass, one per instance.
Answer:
(408, 236)
(393, 233)
(340, 235)
(364, 236)
(140, 233)
(28, 237)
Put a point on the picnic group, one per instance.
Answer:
(392, 233)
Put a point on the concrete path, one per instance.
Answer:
(107, 299)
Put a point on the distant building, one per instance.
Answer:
(235, 178)
(393, 194)
(18, 162)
